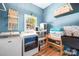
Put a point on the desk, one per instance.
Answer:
(54, 42)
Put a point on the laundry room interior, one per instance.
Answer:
(39, 29)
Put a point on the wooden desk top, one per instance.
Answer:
(54, 38)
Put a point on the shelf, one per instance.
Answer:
(41, 38)
(42, 31)
(55, 44)
(12, 20)
(10, 16)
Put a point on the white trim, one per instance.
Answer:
(3, 7)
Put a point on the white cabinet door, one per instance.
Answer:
(10, 46)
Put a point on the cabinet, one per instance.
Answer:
(42, 33)
(41, 43)
(10, 46)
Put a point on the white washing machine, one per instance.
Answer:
(30, 44)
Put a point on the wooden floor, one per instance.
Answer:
(48, 52)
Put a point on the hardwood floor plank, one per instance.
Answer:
(41, 52)
(48, 52)
(54, 53)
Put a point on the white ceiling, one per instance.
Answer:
(42, 5)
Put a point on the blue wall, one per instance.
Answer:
(71, 18)
(45, 15)
(25, 8)
(3, 21)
